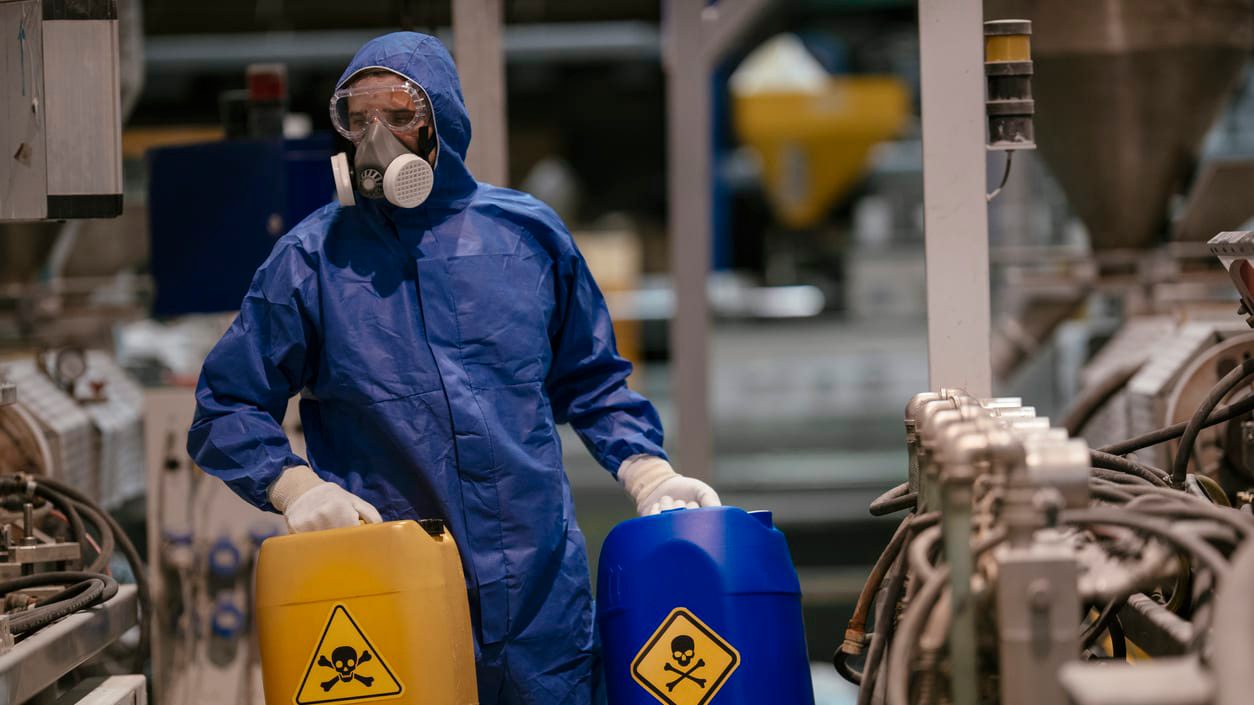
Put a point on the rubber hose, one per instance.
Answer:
(1108, 461)
(1225, 385)
(1167, 433)
(873, 582)
(1102, 624)
(883, 507)
(885, 620)
(123, 542)
(26, 582)
(40, 617)
(911, 627)
(107, 540)
(1119, 478)
(1107, 493)
(1203, 551)
(841, 661)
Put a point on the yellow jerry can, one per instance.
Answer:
(372, 613)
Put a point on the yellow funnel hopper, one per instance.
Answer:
(814, 144)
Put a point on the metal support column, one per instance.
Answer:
(955, 211)
(695, 36)
(477, 30)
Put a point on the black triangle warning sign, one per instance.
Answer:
(345, 667)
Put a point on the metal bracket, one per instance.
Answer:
(1235, 250)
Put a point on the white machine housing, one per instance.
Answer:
(60, 110)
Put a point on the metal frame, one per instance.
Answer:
(40, 660)
(477, 27)
(695, 36)
(955, 210)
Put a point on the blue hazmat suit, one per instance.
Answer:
(435, 350)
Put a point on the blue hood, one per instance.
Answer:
(424, 60)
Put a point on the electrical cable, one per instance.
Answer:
(886, 609)
(86, 590)
(1005, 176)
(1118, 639)
(1174, 431)
(911, 626)
(1102, 624)
(69, 498)
(1201, 550)
(107, 540)
(1119, 478)
(1162, 506)
(76, 599)
(840, 660)
(921, 550)
(1109, 494)
(894, 500)
(1108, 461)
(855, 632)
(1225, 385)
(885, 613)
(915, 619)
(1159, 491)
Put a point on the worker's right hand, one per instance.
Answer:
(310, 503)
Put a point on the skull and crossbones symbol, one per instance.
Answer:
(683, 650)
(345, 661)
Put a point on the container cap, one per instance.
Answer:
(765, 517)
(435, 527)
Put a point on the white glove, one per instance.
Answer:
(310, 503)
(656, 487)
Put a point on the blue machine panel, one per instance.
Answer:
(216, 210)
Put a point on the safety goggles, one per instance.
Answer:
(401, 108)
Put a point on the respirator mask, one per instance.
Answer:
(383, 167)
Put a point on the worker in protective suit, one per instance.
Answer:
(437, 329)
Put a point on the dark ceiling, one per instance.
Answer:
(214, 16)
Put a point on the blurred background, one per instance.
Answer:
(817, 288)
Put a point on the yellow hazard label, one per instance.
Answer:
(685, 662)
(345, 666)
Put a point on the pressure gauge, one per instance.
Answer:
(70, 366)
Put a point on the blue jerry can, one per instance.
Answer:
(701, 606)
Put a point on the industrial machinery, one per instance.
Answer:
(204, 542)
(62, 605)
(87, 413)
(1033, 569)
(1125, 91)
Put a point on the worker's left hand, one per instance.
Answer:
(656, 487)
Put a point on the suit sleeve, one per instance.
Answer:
(587, 381)
(262, 361)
